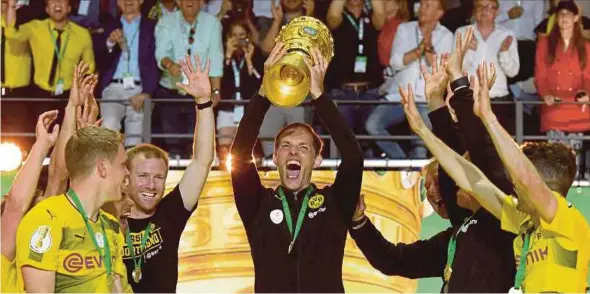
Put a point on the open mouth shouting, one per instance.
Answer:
(293, 169)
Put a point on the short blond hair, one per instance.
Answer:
(149, 151)
(87, 145)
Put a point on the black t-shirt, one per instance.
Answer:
(249, 84)
(160, 257)
(346, 49)
(542, 27)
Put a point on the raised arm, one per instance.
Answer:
(467, 176)
(195, 176)
(82, 88)
(529, 185)
(421, 259)
(378, 14)
(24, 31)
(268, 43)
(23, 188)
(480, 147)
(334, 16)
(347, 185)
(248, 189)
(445, 129)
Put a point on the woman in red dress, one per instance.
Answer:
(562, 74)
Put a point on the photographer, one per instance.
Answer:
(237, 10)
(241, 78)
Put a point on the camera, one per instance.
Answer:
(243, 42)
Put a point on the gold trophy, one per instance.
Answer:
(286, 83)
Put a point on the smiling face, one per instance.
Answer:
(295, 157)
(147, 180)
(58, 10)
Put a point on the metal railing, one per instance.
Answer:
(148, 104)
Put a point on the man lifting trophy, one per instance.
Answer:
(297, 231)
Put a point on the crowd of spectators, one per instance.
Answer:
(135, 46)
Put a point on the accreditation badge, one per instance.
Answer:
(59, 87)
(360, 64)
(128, 81)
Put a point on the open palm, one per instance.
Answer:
(414, 119)
(435, 82)
(455, 61)
(481, 91)
(199, 85)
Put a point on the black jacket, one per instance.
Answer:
(484, 260)
(315, 263)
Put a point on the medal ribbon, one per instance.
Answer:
(522, 265)
(107, 251)
(453, 245)
(237, 76)
(360, 28)
(288, 217)
(138, 261)
(59, 55)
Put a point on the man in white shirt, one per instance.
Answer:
(494, 44)
(415, 43)
(186, 31)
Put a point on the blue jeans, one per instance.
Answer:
(386, 115)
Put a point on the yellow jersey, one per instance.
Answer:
(558, 255)
(9, 282)
(53, 237)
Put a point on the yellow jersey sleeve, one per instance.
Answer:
(8, 281)
(568, 221)
(23, 33)
(38, 239)
(512, 218)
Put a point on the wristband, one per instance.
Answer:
(201, 106)
(459, 83)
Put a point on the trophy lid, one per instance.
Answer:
(306, 32)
